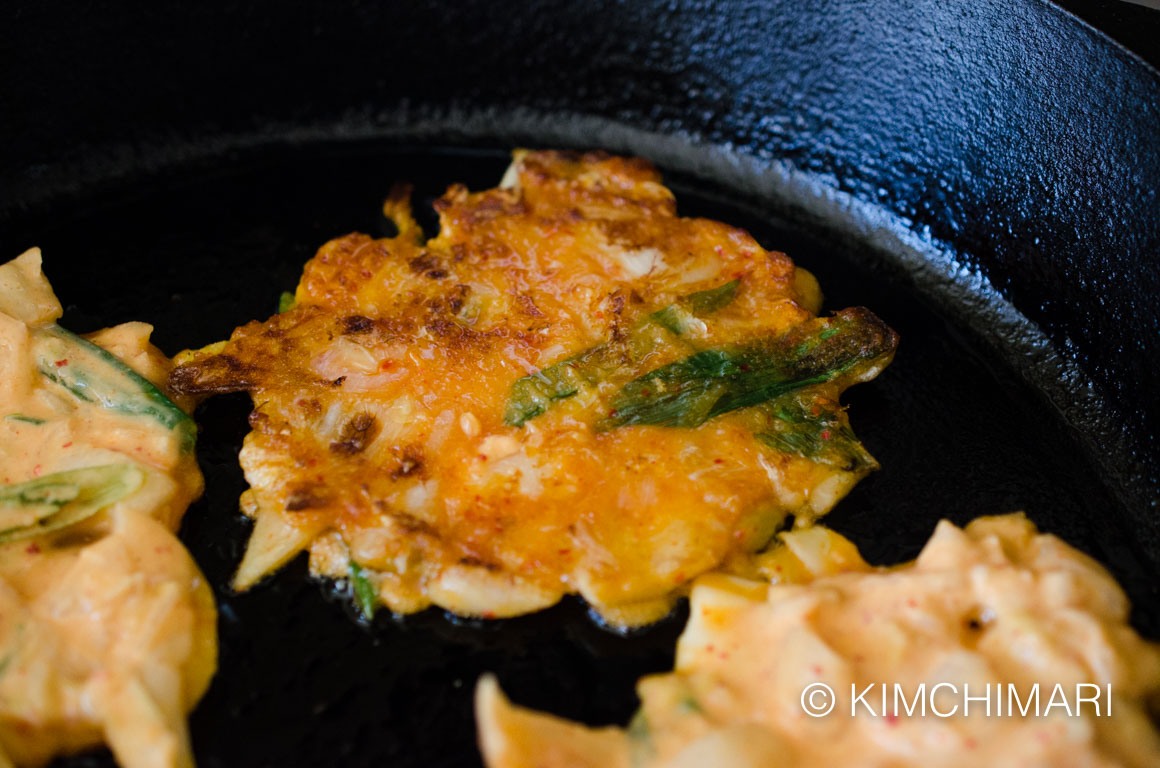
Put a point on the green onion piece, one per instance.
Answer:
(642, 750)
(285, 301)
(638, 728)
(713, 299)
(532, 395)
(806, 426)
(853, 344)
(20, 417)
(675, 318)
(365, 595)
(671, 318)
(94, 375)
(63, 498)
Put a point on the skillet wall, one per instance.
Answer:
(1007, 134)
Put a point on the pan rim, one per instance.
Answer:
(936, 269)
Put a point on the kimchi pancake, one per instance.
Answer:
(570, 389)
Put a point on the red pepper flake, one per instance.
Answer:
(61, 363)
(718, 461)
(646, 392)
(483, 457)
(743, 367)
(488, 614)
(67, 445)
(816, 669)
(386, 365)
(825, 434)
(33, 549)
(564, 551)
(970, 743)
(891, 719)
(613, 412)
(36, 471)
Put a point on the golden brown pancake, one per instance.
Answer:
(569, 390)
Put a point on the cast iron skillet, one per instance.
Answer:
(982, 174)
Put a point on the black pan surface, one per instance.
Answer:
(211, 245)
